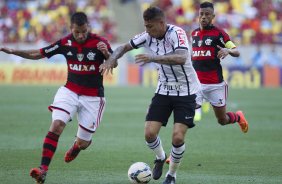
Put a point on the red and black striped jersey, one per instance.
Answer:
(204, 53)
(83, 62)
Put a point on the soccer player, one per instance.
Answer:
(83, 92)
(176, 90)
(209, 45)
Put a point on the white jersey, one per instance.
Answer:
(174, 80)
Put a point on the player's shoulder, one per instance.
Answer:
(143, 35)
(173, 28)
(195, 31)
(174, 31)
(66, 40)
(94, 36)
(218, 29)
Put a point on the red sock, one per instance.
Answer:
(233, 117)
(49, 148)
(75, 148)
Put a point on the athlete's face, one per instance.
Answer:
(80, 33)
(155, 28)
(205, 17)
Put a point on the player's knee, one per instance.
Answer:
(177, 138)
(150, 136)
(57, 127)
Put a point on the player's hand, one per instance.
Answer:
(143, 58)
(222, 53)
(107, 66)
(101, 46)
(6, 50)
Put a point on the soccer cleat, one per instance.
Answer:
(158, 168)
(71, 154)
(243, 122)
(38, 174)
(167, 160)
(169, 180)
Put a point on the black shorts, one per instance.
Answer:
(183, 108)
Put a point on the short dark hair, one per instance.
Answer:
(79, 18)
(153, 13)
(206, 5)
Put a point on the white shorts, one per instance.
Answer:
(89, 110)
(216, 94)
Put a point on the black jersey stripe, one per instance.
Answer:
(177, 39)
(137, 45)
(151, 41)
(166, 78)
(185, 48)
(159, 89)
(171, 67)
(186, 77)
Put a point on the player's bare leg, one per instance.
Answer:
(49, 147)
(224, 118)
(154, 142)
(177, 151)
(73, 152)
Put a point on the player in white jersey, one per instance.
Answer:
(178, 83)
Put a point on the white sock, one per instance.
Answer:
(176, 155)
(157, 147)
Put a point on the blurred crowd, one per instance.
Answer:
(246, 21)
(32, 21)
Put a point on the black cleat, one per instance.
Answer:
(158, 168)
(169, 180)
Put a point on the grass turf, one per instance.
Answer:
(214, 154)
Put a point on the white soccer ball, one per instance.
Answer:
(139, 172)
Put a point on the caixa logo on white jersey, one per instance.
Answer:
(51, 49)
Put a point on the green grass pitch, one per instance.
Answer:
(215, 154)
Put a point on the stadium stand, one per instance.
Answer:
(247, 21)
(30, 21)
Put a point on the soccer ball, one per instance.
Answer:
(139, 172)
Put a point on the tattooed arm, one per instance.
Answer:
(176, 58)
(28, 54)
(111, 62)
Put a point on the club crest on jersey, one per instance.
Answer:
(69, 43)
(80, 57)
(91, 56)
(200, 43)
(208, 41)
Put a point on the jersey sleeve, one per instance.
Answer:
(51, 50)
(178, 39)
(138, 40)
(225, 40)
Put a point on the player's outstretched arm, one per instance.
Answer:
(178, 57)
(111, 62)
(27, 54)
(223, 52)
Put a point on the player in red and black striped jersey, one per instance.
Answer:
(83, 92)
(210, 44)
